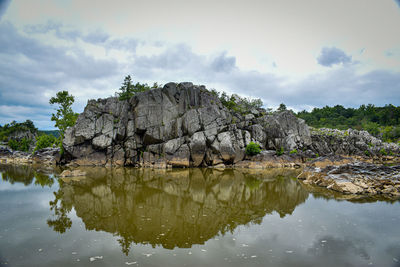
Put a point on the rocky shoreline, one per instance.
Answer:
(350, 177)
(45, 156)
(355, 177)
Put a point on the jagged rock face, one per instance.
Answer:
(19, 135)
(180, 125)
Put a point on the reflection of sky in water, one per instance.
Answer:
(319, 232)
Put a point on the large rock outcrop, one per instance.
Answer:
(184, 125)
(179, 125)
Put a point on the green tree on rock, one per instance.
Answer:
(128, 89)
(282, 107)
(64, 117)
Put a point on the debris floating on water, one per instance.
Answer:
(96, 258)
(131, 263)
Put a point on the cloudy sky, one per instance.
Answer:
(306, 54)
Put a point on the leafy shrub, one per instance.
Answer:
(22, 145)
(294, 151)
(44, 141)
(366, 152)
(280, 151)
(383, 152)
(253, 149)
(237, 103)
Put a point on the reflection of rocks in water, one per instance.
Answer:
(26, 174)
(17, 174)
(179, 208)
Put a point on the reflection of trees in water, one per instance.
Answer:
(60, 222)
(17, 174)
(25, 174)
(175, 208)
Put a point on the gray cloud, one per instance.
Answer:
(331, 55)
(222, 63)
(3, 7)
(30, 68)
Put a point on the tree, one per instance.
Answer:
(128, 89)
(282, 107)
(64, 117)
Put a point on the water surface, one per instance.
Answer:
(189, 217)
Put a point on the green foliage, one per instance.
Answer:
(294, 151)
(21, 145)
(44, 141)
(366, 152)
(317, 155)
(128, 89)
(383, 152)
(64, 117)
(253, 149)
(54, 133)
(280, 151)
(382, 122)
(237, 103)
(282, 107)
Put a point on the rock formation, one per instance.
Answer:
(184, 125)
(179, 125)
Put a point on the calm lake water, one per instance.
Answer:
(189, 217)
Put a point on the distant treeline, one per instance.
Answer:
(382, 122)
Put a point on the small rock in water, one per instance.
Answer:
(96, 258)
(40, 250)
(74, 173)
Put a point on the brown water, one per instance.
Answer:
(189, 217)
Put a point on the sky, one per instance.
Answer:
(306, 54)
